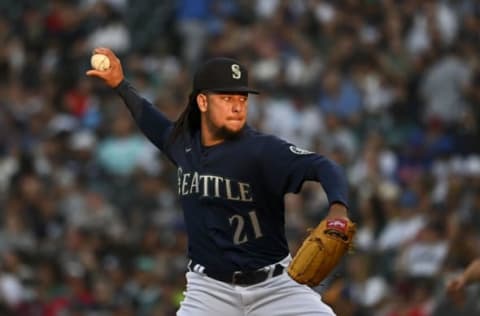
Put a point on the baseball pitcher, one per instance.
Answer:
(231, 185)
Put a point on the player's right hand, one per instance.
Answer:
(113, 76)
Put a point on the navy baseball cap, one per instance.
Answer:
(222, 75)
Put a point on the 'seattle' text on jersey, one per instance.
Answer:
(207, 185)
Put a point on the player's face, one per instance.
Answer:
(226, 112)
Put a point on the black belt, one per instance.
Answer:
(240, 277)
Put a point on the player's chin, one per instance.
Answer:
(235, 126)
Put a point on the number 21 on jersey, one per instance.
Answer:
(238, 223)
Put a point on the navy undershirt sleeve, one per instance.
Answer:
(153, 124)
(332, 178)
(286, 167)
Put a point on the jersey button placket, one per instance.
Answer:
(204, 158)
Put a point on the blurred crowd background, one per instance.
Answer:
(89, 222)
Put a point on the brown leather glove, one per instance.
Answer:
(322, 250)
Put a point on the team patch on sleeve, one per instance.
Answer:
(299, 151)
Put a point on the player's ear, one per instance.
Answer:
(202, 102)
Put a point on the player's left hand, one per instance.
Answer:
(322, 250)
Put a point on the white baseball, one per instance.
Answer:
(100, 62)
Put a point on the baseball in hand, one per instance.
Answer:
(100, 62)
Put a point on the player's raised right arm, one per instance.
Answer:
(151, 121)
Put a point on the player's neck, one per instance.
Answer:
(210, 138)
(209, 142)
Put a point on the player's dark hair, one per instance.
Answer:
(189, 120)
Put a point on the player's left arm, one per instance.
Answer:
(330, 240)
(286, 167)
(323, 249)
(333, 180)
(337, 210)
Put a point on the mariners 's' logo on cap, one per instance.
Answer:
(236, 73)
